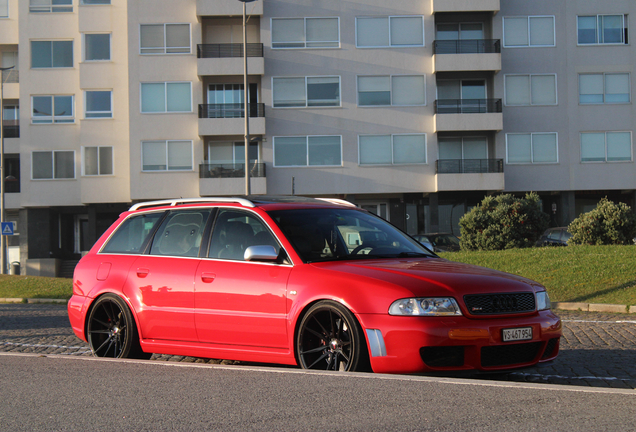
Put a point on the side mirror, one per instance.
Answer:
(261, 253)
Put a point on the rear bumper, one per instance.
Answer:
(427, 344)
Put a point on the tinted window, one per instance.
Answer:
(180, 234)
(235, 231)
(132, 233)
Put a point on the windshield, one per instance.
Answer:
(341, 234)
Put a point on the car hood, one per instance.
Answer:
(436, 276)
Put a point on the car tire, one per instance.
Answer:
(330, 338)
(111, 329)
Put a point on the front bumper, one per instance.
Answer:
(427, 344)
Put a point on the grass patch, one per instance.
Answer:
(588, 274)
(35, 287)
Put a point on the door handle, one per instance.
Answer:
(207, 277)
(142, 272)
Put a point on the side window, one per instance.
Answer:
(131, 235)
(235, 231)
(180, 234)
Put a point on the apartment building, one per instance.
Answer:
(414, 110)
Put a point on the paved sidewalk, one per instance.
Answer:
(597, 349)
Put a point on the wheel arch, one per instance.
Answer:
(93, 301)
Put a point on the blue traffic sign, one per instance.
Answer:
(7, 228)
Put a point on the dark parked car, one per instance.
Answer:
(440, 242)
(554, 237)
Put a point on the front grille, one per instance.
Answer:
(451, 356)
(490, 304)
(506, 355)
(549, 348)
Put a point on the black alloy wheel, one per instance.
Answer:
(111, 330)
(329, 338)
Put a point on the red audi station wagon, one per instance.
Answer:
(317, 283)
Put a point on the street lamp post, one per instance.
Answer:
(3, 257)
(245, 101)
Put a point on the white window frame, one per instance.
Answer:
(390, 90)
(393, 163)
(388, 17)
(141, 153)
(165, 83)
(52, 116)
(110, 47)
(629, 90)
(532, 162)
(305, 33)
(164, 40)
(631, 137)
(52, 41)
(307, 148)
(98, 118)
(112, 150)
(503, 23)
(50, 7)
(306, 96)
(53, 165)
(597, 43)
(556, 89)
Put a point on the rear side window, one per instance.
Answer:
(180, 234)
(132, 233)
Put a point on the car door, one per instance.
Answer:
(162, 281)
(239, 302)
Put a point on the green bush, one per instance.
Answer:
(607, 224)
(503, 222)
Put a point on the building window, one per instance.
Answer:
(4, 8)
(530, 31)
(532, 148)
(391, 90)
(166, 155)
(530, 89)
(51, 6)
(53, 165)
(52, 109)
(95, 2)
(51, 54)
(305, 33)
(97, 161)
(98, 104)
(96, 47)
(392, 31)
(166, 97)
(307, 151)
(604, 88)
(454, 148)
(602, 29)
(460, 31)
(306, 92)
(392, 149)
(164, 38)
(606, 147)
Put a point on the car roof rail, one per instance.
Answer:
(174, 202)
(338, 201)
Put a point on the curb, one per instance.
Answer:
(33, 300)
(594, 307)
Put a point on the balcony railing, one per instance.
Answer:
(471, 46)
(467, 106)
(11, 131)
(468, 166)
(10, 76)
(214, 170)
(228, 50)
(231, 110)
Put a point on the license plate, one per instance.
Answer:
(517, 334)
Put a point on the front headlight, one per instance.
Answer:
(430, 306)
(543, 301)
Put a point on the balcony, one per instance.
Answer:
(468, 115)
(11, 87)
(228, 119)
(227, 59)
(469, 175)
(10, 131)
(466, 6)
(227, 8)
(229, 179)
(467, 55)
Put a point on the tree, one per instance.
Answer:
(503, 222)
(607, 224)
